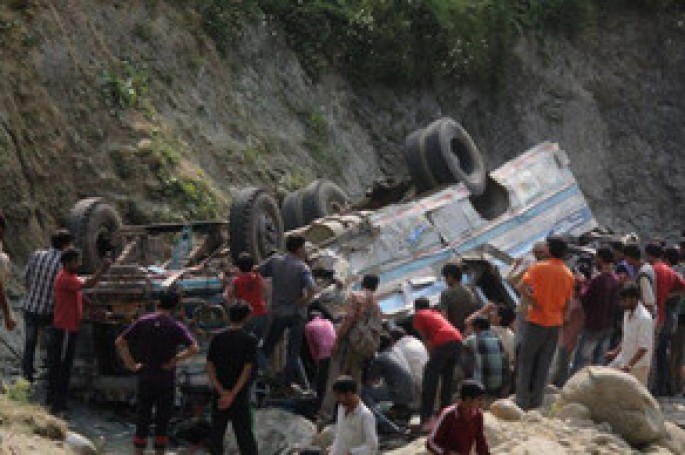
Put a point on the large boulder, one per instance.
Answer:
(617, 398)
(674, 438)
(277, 432)
(538, 446)
(506, 409)
(417, 447)
(573, 411)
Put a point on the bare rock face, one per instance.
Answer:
(537, 446)
(277, 432)
(506, 409)
(618, 399)
(674, 439)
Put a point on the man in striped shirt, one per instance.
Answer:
(39, 305)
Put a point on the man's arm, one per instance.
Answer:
(93, 280)
(188, 352)
(226, 400)
(647, 292)
(10, 323)
(125, 353)
(437, 440)
(213, 380)
(370, 445)
(481, 443)
(636, 358)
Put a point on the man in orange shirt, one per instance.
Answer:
(548, 285)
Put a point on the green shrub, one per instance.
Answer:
(124, 88)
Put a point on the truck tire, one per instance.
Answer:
(416, 162)
(453, 157)
(291, 210)
(322, 198)
(255, 224)
(93, 224)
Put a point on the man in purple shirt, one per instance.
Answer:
(156, 338)
(600, 303)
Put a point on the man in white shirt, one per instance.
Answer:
(413, 351)
(634, 354)
(355, 427)
(645, 277)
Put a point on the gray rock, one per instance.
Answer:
(539, 446)
(506, 409)
(674, 439)
(618, 399)
(325, 438)
(277, 432)
(79, 444)
(573, 411)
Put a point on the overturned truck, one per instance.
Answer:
(403, 230)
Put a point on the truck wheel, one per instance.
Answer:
(93, 225)
(291, 210)
(416, 162)
(321, 198)
(453, 157)
(255, 224)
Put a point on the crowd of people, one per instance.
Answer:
(624, 309)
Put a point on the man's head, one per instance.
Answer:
(504, 316)
(370, 282)
(604, 257)
(556, 247)
(472, 394)
(452, 273)
(540, 251)
(239, 312)
(617, 249)
(672, 255)
(654, 252)
(630, 296)
(397, 333)
(346, 391)
(245, 262)
(480, 324)
(168, 300)
(62, 239)
(295, 245)
(633, 254)
(71, 260)
(421, 303)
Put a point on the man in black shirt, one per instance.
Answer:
(231, 359)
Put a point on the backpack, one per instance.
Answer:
(365, 334)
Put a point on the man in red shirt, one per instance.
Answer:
(65, 325)
(248, 286)
(443, 342)
(460, 426)
(667, 282)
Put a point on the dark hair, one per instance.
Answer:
(169, 300)
(654, 250)
(386, 341)
(294, 242)
(481, 323)
(471, 389)
(245, 262)
(238, 312)
(556, 246)
(370, 282)
(672, 255)
(313, 314)
(506, 314)
(397, 333)
(345, 384)
(629, 291)
(61, 238)
(69, 255)
(421, 303)
(605, 255)
(617, 245)
(453, 270)
(632, 250)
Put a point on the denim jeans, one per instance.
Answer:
(591, 349)
(295, 325)
(34, 323)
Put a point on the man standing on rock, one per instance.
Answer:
(548, 286)
(39, 304)
(65, 325)
(5, 266)
(634, 354)
(293, 288)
